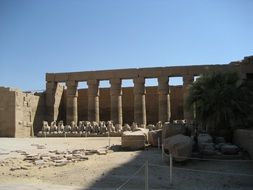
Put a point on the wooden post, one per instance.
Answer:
(162, 152)
(109, 140)
(171, 165)
(146, 175)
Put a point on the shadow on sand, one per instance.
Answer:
(158, 172)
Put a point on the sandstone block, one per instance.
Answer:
(153, 137)
(133, 140)
(179, 146)
(204, 140)
(229, 149)
(170, 130)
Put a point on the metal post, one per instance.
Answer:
(109, 140)
(171, 165)
(146, 175)
(162, 152)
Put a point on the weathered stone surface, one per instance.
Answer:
(21, 112)
(18, 168)
(244, 138)
(60, 164)
(229, 149)
(172, 129)
(203, 140)
(17, 112)
(207, 149)
(102, 151)
(179, 146)
(151, 127)
(218, 146)
(144, 131)
(153, 137)
(39, 162)
(133, 140)
(61, 161)
(219, 140)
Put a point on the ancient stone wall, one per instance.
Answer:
(20, 113)
(143, 111)
(40, 112)
(7, 112)
(127, 104)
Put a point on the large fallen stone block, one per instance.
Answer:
(244, 138)
(204, 139)
(170, 130)
(153, 137)
(133, 140)
(219, 140)
(144, 131)
(229, 149)
(179, 146)
(207, 149)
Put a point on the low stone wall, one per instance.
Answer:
(244, 138)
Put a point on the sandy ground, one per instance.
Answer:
(112, 170)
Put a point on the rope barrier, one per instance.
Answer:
(206, 171)
(206, 159)
(157, 165)
(122, 185)
(209, 159)
(213, 172)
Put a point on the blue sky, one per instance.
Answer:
(77, 35)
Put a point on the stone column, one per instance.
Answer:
(71, 110)
(187, 81)
(116, 101)
(93, 100)
(164, 99)
(139, 101)
(51, 110)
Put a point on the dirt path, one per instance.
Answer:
(111, 170)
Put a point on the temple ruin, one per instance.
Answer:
(22, 111)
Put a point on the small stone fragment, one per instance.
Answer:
(39, 162)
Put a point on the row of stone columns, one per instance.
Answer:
(72, 93)
(93, 100)
(116, 100)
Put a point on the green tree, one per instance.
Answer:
(221, 100)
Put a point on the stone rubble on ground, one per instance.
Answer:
(52, 157)
(207, 146)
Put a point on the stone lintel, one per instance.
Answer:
(93, 82)
(93, 89)
(188, 79)
(163, 86)
(50, 77)
(115, 89)
(72, 88)
(139, 86)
